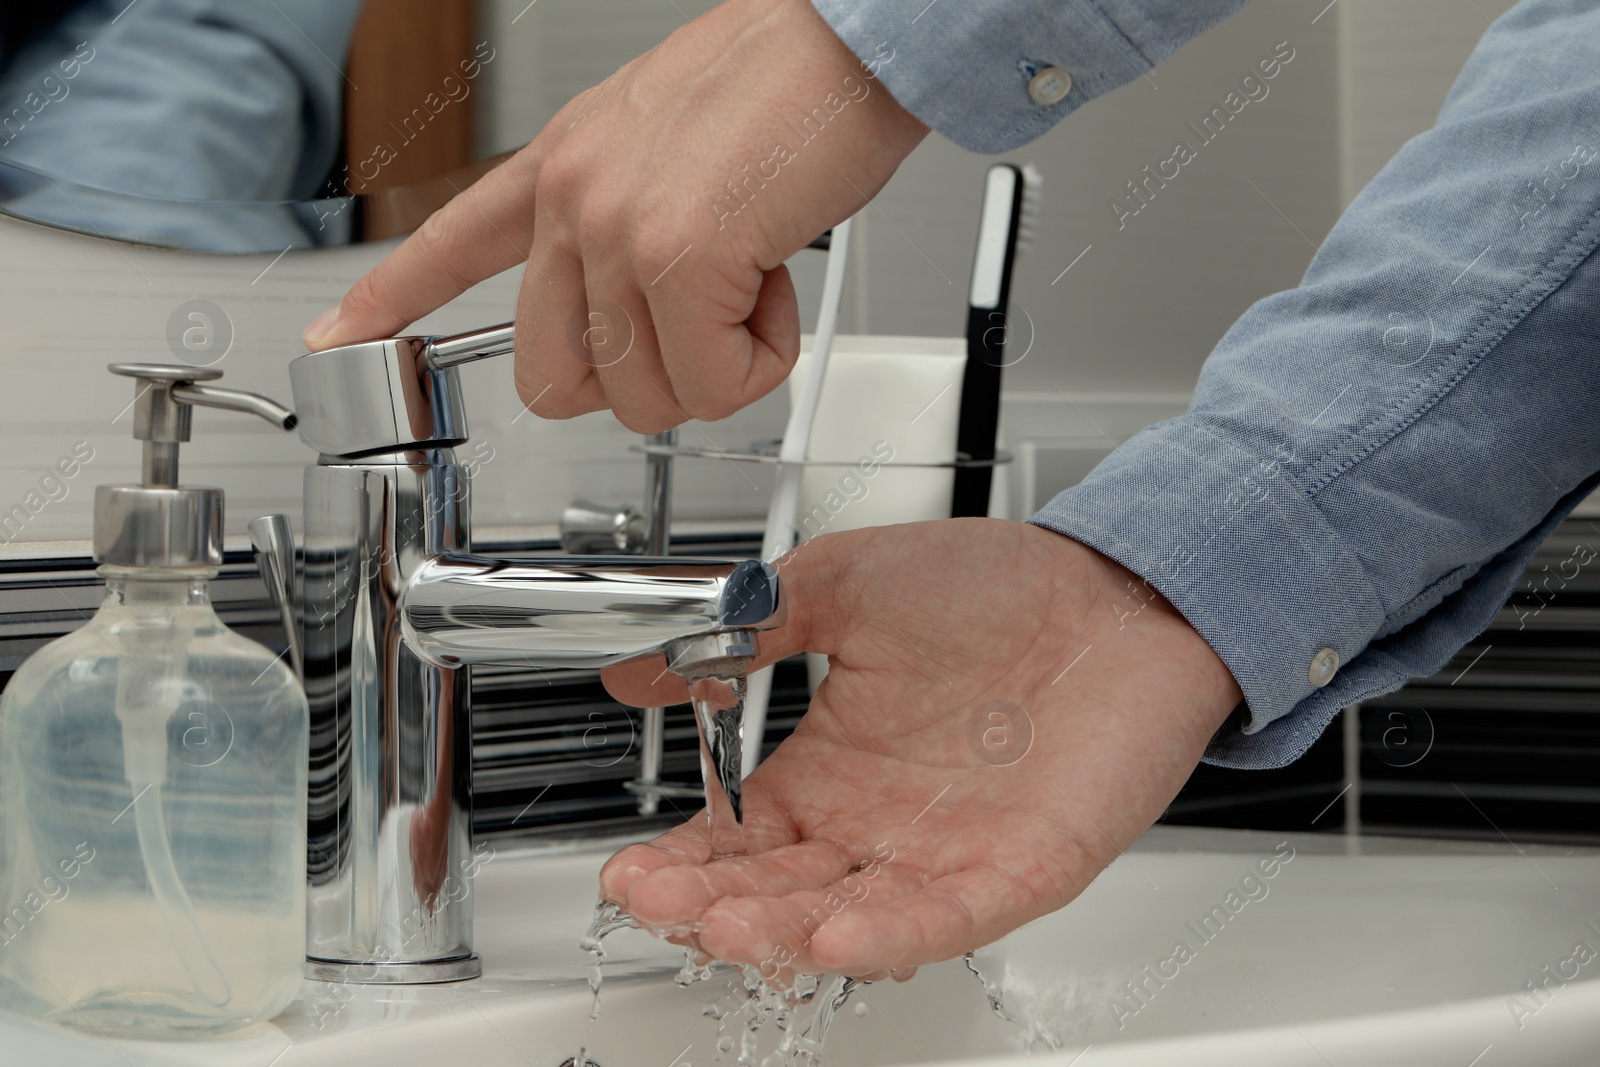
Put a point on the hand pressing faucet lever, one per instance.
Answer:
(396, 607)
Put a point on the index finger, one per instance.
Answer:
(485, 229)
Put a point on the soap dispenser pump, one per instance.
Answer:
(153, 773)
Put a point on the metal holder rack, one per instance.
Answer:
(587, 527)
(767, 452)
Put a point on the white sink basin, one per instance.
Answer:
(1360, 952)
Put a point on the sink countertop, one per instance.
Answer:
(1358, 951)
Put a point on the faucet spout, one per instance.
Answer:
(459, 610)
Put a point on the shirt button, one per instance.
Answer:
(1049, 86)
(1323, 667)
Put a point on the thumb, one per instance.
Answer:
(809, 578)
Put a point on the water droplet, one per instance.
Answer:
(694, 971)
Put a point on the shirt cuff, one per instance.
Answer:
(989, 74)
(1260, 572)
(1242, 553)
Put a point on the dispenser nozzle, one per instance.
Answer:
(159, 523)
(236, 400)
(163, 399)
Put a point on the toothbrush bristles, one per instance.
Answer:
(1028, 217)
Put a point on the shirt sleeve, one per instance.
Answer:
(1371, 458)
(988, 74)
(179, 100)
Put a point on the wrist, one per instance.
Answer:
(1141, 629)
(851, 78)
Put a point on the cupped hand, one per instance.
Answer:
(1005, 711)
(655, 213)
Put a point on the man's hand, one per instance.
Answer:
(1005, 711)
(655, 213)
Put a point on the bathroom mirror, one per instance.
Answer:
(237, 126)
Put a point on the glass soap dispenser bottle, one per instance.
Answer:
(153, 774)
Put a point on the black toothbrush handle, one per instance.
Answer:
(980, 411)
(979, 423)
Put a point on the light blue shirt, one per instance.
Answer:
(1329, 488)
(236, 105)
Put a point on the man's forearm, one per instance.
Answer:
(1371, 458)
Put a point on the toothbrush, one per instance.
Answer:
(1005, 229)
(780, 533)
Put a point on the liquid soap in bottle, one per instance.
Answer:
(153, 774)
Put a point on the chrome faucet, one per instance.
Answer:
(394, 612)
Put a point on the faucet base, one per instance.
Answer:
(458, 969)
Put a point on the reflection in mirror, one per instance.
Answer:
(238, 125)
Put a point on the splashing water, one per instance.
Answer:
(608, 919)
(835, 991)
(761, 1004)
(717, 690)
(1036, 1036)
(695, 971)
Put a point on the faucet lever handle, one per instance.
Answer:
(459, 348)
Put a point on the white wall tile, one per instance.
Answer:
(1397, 62)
